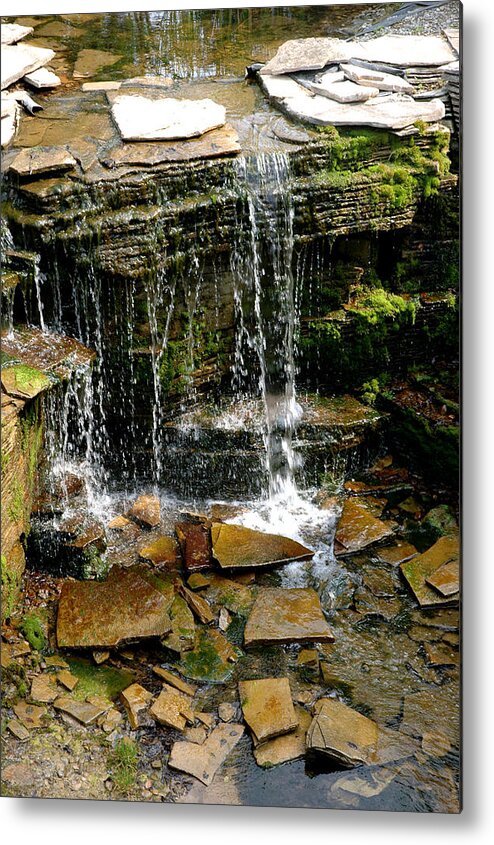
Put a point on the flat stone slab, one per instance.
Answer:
(398, 111)
(197, 604)
(396, 554)
(287, 616)
(343, 734)
(24, 382)
(39, 160)
(44, 689)
(446, 579)
(21, 59)
(11, 33)
(267, 707)
(43, 78)
(141, 118)
(351, 739)
(290, 746)
(401, 50)
(358, 528)
(203, 761)
(381, 81)
(419, 569)
(83, 711)
(237, 547)
(164, 550)
(29, 715)
(214, 144)
(308, 54)
(98, 615)
(110, 85)
(146, 511)
(345, 92)
(46, 351)
(173, 708)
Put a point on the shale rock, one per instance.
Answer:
(287, 616)
(165, 119)
(43, 78)
(146, 511)
(125, 607)
(172, 708)
(420, 569)
(164, 551)
(267, 707)
(203, 761)
(358, 529)
(135, 699)
(41, 160)
(237, 547)
(290, 746)
(21, 59)
(195, 545)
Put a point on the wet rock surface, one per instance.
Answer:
(286, 615)
(236, 547)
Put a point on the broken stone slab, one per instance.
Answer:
(453, 36)
(224, 619)
(214, 144)
(203, 761)
(195, 545)
(119, 523)
(44, 689)
(238, 547)
(174, 681)
(135, 698)
(164, 550)
(197, 604)
(29, 715)
(267, 707)
(373, 784)
(146, 511)
(229, 593)
(446, 579)
(24, 382)
(301, 54)
(440, 654)
(197, 735)
(83, 711)
(390, 111)
(396, 554)
(358, 528)
(11, 33)
(381, 81)
(140, 118)
(21, 59)
(286, 616)
(343, 92)
(227, 711)
(67, 679)
(401, 50)
(99, 615)
(173, 708)
(417, 570)
(290, 746)
(183, 629)
(212, 658)
(351, 739)
(43, 78)
(342, 733)
(433, 709)
(18, 730)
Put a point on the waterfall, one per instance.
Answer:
(265, 301)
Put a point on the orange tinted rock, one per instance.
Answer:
(358, 528)
(237, 547)
(421, 568)
(287, 616)
(195, 545)
(146, 511)
(267, 707)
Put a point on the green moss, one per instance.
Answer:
(204, 662)
(104, 681)
(10, 589)
(122, 764)
(33, 629)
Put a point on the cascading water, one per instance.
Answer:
(265, 300)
